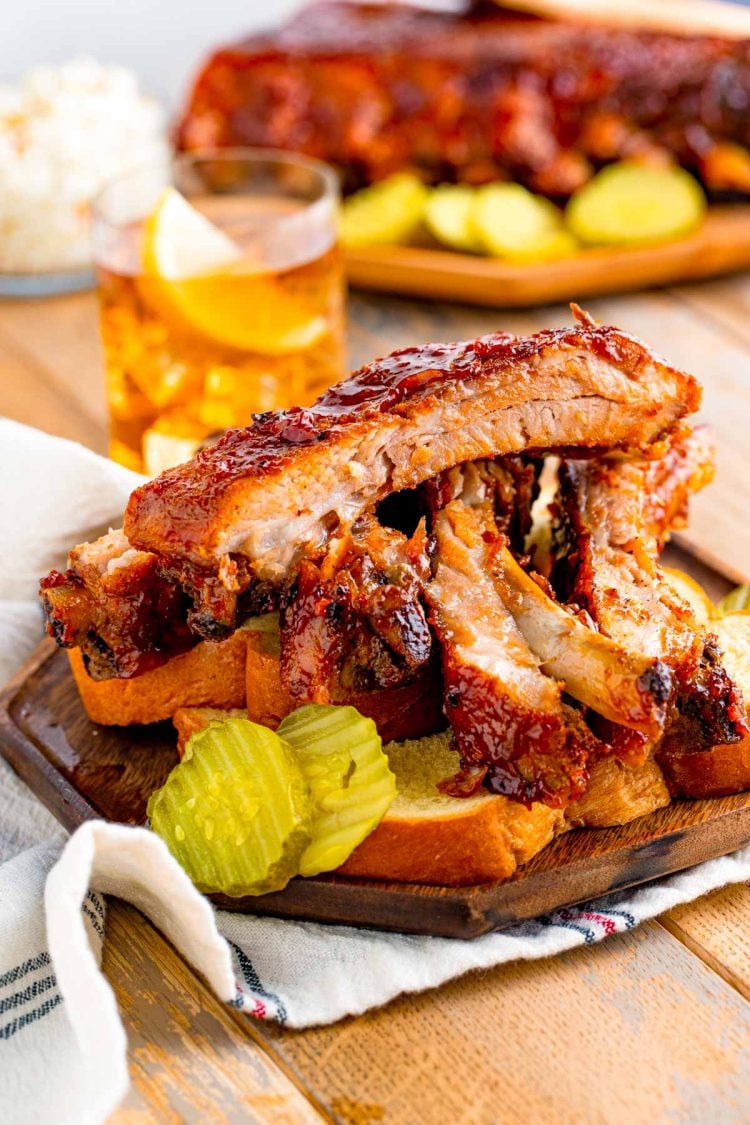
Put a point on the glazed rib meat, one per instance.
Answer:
(277, 491)
(508, 719)
(508, 485)
(477, 95)
(356, 619)
(626, 686)
(219, 537)
(114, 605)
(617, 513)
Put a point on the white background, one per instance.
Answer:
(163, 40)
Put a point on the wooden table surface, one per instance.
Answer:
(648, 1026)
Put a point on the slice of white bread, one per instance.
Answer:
(243, 670)
(189, 720)
(427, 837)
(213, 674)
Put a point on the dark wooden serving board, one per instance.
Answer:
(82, 771)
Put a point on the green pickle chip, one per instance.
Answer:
(236, 811)
(342, 758)
(547, 247)
(388, 212)
(510, 222)
(448, 216)
(736, 601)
(629, 202)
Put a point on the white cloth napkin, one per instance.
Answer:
(62, 1045)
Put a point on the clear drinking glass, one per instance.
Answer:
(218, 310)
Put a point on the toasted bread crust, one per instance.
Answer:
(409, 711)
(482, 845)
(211, 675)
(266, 698)
(717, 772)
(189, 720)
(617, 794)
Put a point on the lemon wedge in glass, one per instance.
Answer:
(203, 279)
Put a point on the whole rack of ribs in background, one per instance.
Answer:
(477, 96)
(391, 526)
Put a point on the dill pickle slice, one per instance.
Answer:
(509, 221)
(736, 601)
(236, 811)
(629, 202)
(386, 213)
(352, 787)
(448, 216)
(547, 247)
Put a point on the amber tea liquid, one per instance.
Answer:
(187, 360)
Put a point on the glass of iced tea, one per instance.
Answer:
(222, 295)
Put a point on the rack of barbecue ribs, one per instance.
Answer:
(481, 95)
(390, 525)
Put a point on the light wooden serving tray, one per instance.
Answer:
(721, 245)
(82, 771)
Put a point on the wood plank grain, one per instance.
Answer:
(635, 1029)
(717, 929)
(725, 304)
(189, 1060)
(61, 335)
(27, 395)
(378, 324)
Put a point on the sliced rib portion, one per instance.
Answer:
(356, 620)
(211, 532)
(279, 490)
(473, 93)
(129, 611)
(625, 686)
(686, 464)
(616, 513)
(507, 486)
(113, 603)
(508, 719)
